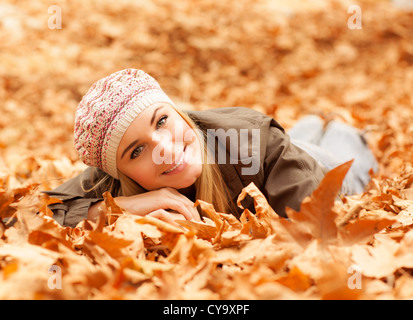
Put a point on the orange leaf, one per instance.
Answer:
(251, 225)
(316, 211)
(9, 269)
(161, 225)
(200, 229)
(296, 280)
(209, 210)
(362, 229)
(113, 211)
(109, 243)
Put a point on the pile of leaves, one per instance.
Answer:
(356, 250)
(283, 62)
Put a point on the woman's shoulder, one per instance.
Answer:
(84, 185)
(232, 117)
(242, 112)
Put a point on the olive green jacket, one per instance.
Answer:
(284, 173)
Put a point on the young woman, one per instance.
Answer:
(157, 160)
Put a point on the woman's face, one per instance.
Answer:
(159, 149)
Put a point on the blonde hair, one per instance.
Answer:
(210, 186)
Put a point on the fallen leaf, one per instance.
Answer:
(316, 211)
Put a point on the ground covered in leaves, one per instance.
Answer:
(284, 61)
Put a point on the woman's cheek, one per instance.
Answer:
(146, 177)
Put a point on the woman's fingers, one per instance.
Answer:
(190, 213)
(166, 216)
(164, 198)
(181, 204)
(178, 196)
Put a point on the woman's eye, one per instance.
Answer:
(161, 122)
(135, 153)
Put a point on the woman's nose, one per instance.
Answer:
(166, 150)
(163, 150)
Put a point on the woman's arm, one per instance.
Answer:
(154, 203)
(94, 210)
(77, 197)
(291, 174)
(160, 199)
(79, 204)
(164, 215)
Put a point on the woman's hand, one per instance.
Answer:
(161, 199)
(166, 216)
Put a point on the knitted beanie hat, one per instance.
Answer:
(107, 110)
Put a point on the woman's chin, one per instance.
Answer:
(186, 181)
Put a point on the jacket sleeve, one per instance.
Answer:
(290, 174)
(77, 197)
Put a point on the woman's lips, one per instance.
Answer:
(177, 166)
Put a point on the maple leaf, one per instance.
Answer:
(113, 211)
(296, 280)
(385, 257)
(199, 229)
(9, 200)
(252, 225)
(110, 243)
(364, 227)
(227, 229)
(161, 225)
(316, 212)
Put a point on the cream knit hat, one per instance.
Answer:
(107, 110)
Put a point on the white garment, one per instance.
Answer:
(333, 145)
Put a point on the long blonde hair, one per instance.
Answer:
(210, 186)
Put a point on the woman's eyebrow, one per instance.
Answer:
(136, 141)
(129, 147)
(154, 114)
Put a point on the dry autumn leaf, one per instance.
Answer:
(316, 212)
